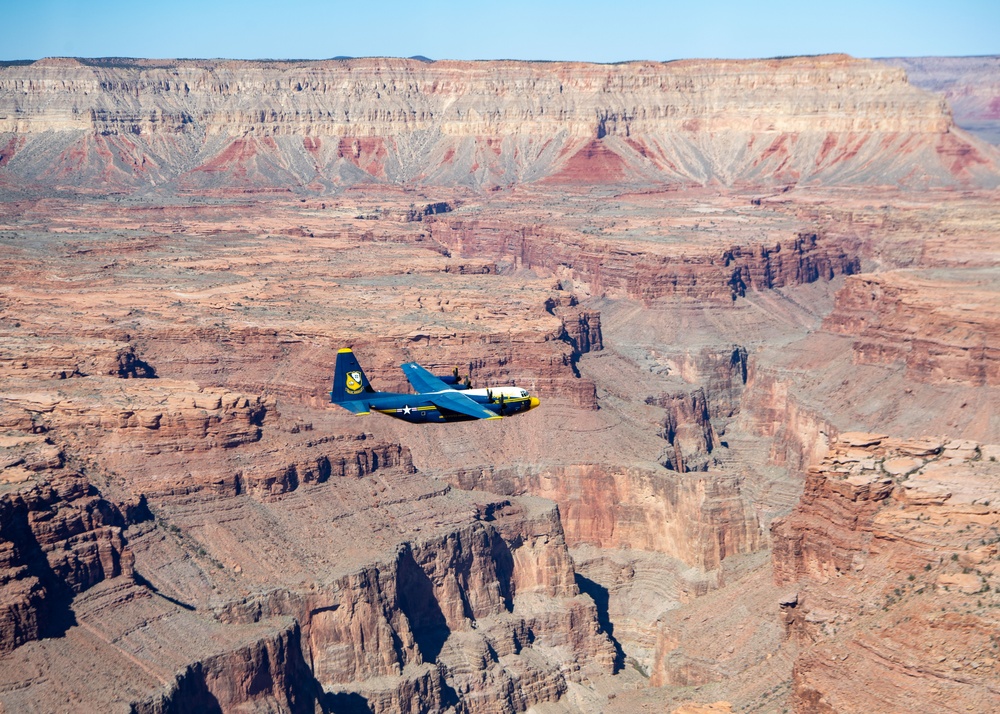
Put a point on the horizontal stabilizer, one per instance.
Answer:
(357, 406)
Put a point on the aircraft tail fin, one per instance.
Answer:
(349, 380)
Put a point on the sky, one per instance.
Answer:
(585, 30)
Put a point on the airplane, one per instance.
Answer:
(438, 399)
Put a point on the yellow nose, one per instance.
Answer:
(533, 402)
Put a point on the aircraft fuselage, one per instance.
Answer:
(418, 408)
(435, 399)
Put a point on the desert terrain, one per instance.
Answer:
(759, 301)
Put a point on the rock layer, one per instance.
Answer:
(943, 325)
(892, 551)
(228, 125)
(449, 595)
(698, 519)
(618, 268)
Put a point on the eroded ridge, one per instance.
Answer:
(450, 596)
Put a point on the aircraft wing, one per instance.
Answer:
(422, 380)
(458, 402)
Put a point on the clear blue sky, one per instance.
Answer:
(590, 30)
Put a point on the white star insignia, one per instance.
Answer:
(406, 409)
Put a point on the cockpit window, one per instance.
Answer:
(524, 392)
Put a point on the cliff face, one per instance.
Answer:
(58, 537)
(942, 325)
(319, 125)
(450, 596)
(620, 268)
(892, 551)
(698, 519)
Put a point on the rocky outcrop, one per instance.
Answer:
(448, 600)
(33, 358)
(151, 416)
(687, 427)
(58, 537)
(618, 268)
(230, 125)
(889, 559)
(797, 435)
(475, 604)
(699, 519)
(942, 325)
(581, 327)
(267, 674)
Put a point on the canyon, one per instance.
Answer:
(758, 301)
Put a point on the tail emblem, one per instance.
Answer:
(353, 382)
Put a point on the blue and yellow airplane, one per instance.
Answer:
(438, 399)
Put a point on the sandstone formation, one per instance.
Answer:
(60, 538)
(942, 325)
(892, 552)
(495, 572)
(699, 520)
(320, 126)
(708, 271)
(615, 268)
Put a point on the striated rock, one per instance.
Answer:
(58, 537)
(618, 268)
(268, 673)
(942, 326)
(162, 415)
(896, 587)
(699, 519)
(31, 358)
(270, 125)
(688, 429)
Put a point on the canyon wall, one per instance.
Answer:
(889, 565)
(700, 519)
(58, 537)
(941, 324)
(196, 499)
(653, 270)
(319, 126)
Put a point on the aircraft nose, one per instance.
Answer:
(533, 402)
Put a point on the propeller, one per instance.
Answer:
(503, 405)
(458, 380)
